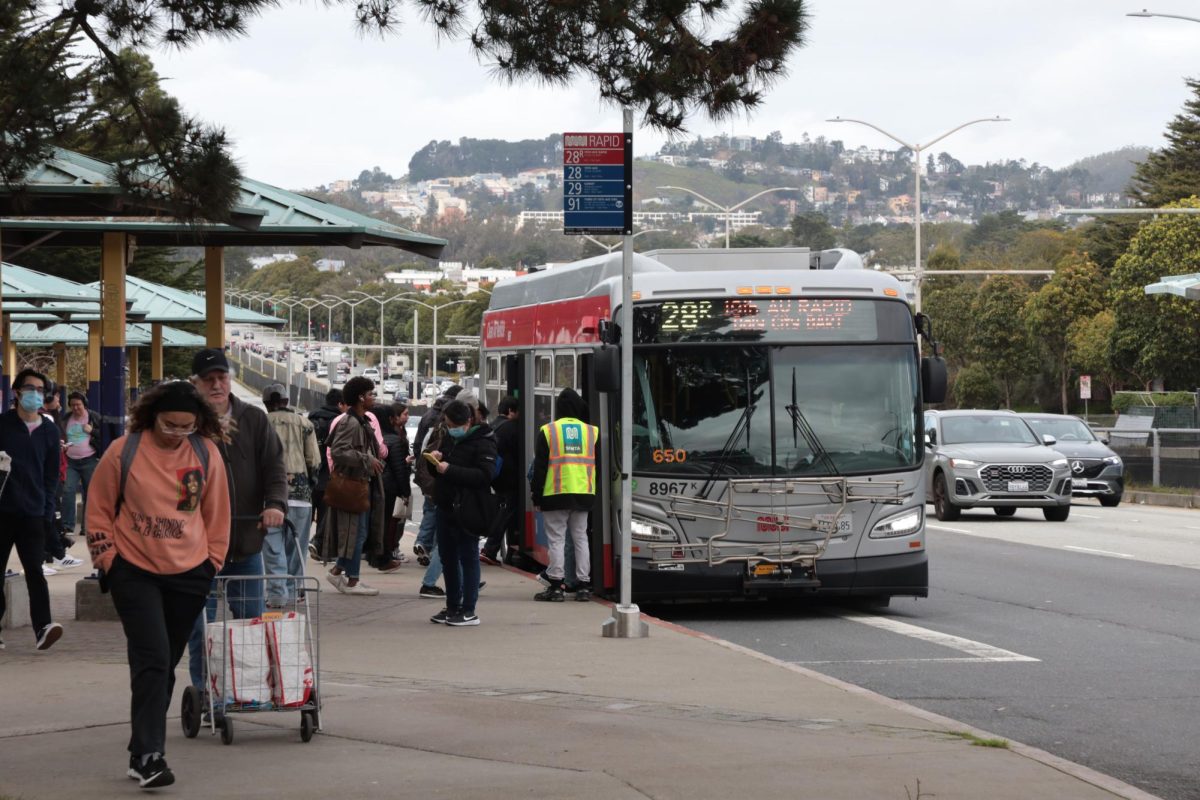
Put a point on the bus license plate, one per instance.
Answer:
(1018, 486)
(845, 523)
(1079, 483)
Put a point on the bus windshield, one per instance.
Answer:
(783, 411)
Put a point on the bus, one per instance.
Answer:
(777, 439)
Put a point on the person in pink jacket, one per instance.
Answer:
(159, 539)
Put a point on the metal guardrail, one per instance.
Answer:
(1121, 439)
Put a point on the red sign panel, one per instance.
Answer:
(594, 148)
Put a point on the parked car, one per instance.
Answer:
(1096, 471)
(390, 386)
(993, 459)
(372, 373)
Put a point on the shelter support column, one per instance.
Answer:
(214, 296)
(113, 259)
(131, 355)
(156, 353)
(8, 352)
(93, 364)
(60, 369)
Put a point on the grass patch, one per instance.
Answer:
(979, 741)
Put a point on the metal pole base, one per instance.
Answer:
(625, 623)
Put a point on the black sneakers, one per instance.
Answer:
(583, 592)
(49, 635)
(433, 592)
(441, 616)
(462, 620)
(422, 554)
(552, 594)
(153, 774)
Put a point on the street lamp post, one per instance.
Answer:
(728, 210)
(610, 247)
(1147, 14)
(917, 148)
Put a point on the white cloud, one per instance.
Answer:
(307, 100)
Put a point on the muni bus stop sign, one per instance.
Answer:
(598, 183)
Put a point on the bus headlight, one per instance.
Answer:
(647, 531)
(905, 524)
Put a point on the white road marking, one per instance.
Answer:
(951, 660)
(946, 528)
(1088, 516)
(1098, 552)
(1191, 527)
(977, 651)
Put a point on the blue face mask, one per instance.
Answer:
(31, 401)
(457, 433)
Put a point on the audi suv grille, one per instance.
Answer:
(996, 476)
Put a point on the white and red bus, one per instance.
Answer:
(777, 442)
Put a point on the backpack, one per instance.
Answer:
(130, 451)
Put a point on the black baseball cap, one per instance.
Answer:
(209, 359)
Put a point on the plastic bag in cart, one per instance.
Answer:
(247, 666)
(291, 659)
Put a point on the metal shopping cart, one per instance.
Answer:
(264, 664)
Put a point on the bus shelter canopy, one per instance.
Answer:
(73, 334)
(161, 303)
(1183, 285)
(33, 287)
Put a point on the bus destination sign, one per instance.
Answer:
(598, 183)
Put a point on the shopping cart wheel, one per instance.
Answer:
(315, 700)
(190, 710)
(308, 725)
(226, 726)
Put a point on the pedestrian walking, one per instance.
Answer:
(28, 496)
(354, 459)
(253, 459)
(465, 507)
(158, 529)
(322, 419)
(507, 485)
(397, 487)
(286, 549)
(80, 431)
(566, 452)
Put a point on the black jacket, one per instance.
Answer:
(33, 482)
(508, 447)
(430, 420)
(257, 477)
(472, 461)
(321, 420)
(396, 469)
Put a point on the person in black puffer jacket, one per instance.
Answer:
(466, 506)
(397, 474)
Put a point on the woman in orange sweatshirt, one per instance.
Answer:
(159, 536)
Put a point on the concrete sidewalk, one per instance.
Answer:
(532, 703)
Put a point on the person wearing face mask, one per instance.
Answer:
(159, 533)
(462, 491)
(28, 497)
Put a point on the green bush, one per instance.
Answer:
(976, 388)
(1123, 401)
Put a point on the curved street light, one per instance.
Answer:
(608, 248)
(917, 148)
(1147, 14)
(729, 209)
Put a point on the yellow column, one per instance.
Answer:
(60, 363)
(131, 358)
(214, 295)
(114, 257)
(156, 352)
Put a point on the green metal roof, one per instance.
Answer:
(1183, 285)
(290, 219)
(164, 304)
(33, 287)
(72, 184)
(72, 334)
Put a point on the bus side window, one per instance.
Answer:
(564, 371)
(543, 376)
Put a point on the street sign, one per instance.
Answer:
(598, 183)
(462, 366)
(1085, 387)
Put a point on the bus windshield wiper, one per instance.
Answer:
(743, 423)
(801, 427)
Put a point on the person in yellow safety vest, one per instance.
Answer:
(565, 466)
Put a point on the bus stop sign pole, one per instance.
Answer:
(626, 621)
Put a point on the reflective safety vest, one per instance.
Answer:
(572, 466)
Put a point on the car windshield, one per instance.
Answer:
(803, 411)
(991, 429)
(1064, 429)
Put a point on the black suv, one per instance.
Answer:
(1096, 471)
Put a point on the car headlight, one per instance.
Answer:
(652, 531)
(1113, 460)
(963, 462)
(904, 524)
(1059, 463)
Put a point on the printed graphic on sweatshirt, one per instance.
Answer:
(188, 483)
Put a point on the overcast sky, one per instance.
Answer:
(307, 100)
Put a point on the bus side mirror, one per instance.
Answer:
(933, 379)
(606, 369)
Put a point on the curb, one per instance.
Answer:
(1162, 499)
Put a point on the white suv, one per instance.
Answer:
(372, 373)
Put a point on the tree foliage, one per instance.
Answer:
(1000, 343)
(812, 230)
(974, 387)
(1173, 173)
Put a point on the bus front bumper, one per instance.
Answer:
(903, 574)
